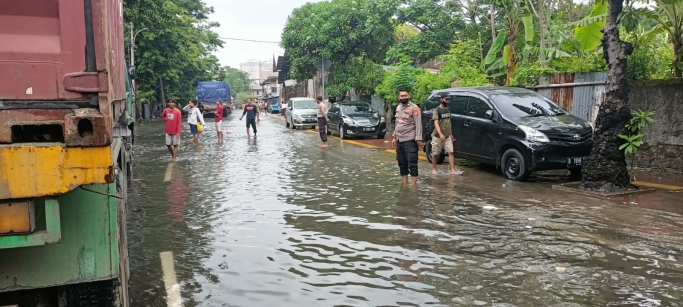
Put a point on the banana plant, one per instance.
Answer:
(516, 14)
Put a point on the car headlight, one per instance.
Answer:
(381, 119)
(592, 126)
(297, 116)
(349, 121)
(534, 135)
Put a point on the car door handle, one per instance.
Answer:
(467, 123)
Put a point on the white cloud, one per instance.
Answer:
(255, 20)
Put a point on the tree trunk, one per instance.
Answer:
(678, 56)
(492, 15)
(512, 63)
(606, 169)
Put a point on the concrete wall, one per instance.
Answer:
(663, 148)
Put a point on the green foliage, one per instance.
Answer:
(237, 79)
(404, 77)
(529, 73)
(588, 32)
(351, 33)
(360, 74)
(241, 97)
(436, 21)
(634, 139)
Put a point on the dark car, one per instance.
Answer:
(355, 118)
(517, 130)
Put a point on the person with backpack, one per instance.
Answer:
(442, 137)
(194, 119)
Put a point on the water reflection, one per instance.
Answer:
(287, 223)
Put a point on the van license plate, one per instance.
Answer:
(368, 129)
(574, 162)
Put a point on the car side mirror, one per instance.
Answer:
(489, 114)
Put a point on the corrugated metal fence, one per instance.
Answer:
(578, 93)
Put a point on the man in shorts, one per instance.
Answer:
(251, 110)
(442, 137)
(219, 121)
(173, 120)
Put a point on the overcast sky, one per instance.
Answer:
(251, 19)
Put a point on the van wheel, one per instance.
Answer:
(513, 165)
(429, 154)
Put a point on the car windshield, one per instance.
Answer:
(359, 109)
(304, 104)
(526, 104)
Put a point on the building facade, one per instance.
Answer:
(254, 69)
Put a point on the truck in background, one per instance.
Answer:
(66, 121)
(208, 92)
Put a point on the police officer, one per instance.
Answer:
(407, 137)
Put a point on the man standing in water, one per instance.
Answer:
(174, 121)
(322, 120)
(407, 136)
(442, 137)
(252, 112)
(219, 121)
(194, 116)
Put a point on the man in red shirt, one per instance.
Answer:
(219, 121)
(173, 120)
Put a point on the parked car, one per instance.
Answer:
(273, 107)
(301, 111)
(517, 130)
(355, 118)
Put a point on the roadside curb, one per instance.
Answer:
(574, 188)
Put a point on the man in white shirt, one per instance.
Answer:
(193, 118)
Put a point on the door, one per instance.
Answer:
(288, 112)
(479, 132)
(335, 117)
(458, 107)
(427, 114)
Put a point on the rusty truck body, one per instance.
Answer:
(66, 122)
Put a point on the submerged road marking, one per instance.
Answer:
(169, 172)
(657, 185)
(173, 298)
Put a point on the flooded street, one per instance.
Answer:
(280, 221)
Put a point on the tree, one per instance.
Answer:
(437, 24)
(669, 18)
(605, 169)
(342, 31)
(176, 46)
(237, 79)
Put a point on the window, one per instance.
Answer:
(433, 102)
(458, 105)
(477, 108)
(526, 104)
(305, 104)
(334, 109)
(351, 109)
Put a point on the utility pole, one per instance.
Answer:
(322, 60)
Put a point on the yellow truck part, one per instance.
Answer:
(33, 170)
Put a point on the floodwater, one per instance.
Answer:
(279, 221)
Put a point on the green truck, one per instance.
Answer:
(66, 133)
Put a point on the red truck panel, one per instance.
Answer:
(43, 65)
(43, 41)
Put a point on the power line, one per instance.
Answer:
(248, 40)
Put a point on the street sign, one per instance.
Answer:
(323, 65)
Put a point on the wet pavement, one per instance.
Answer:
(279, 221)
